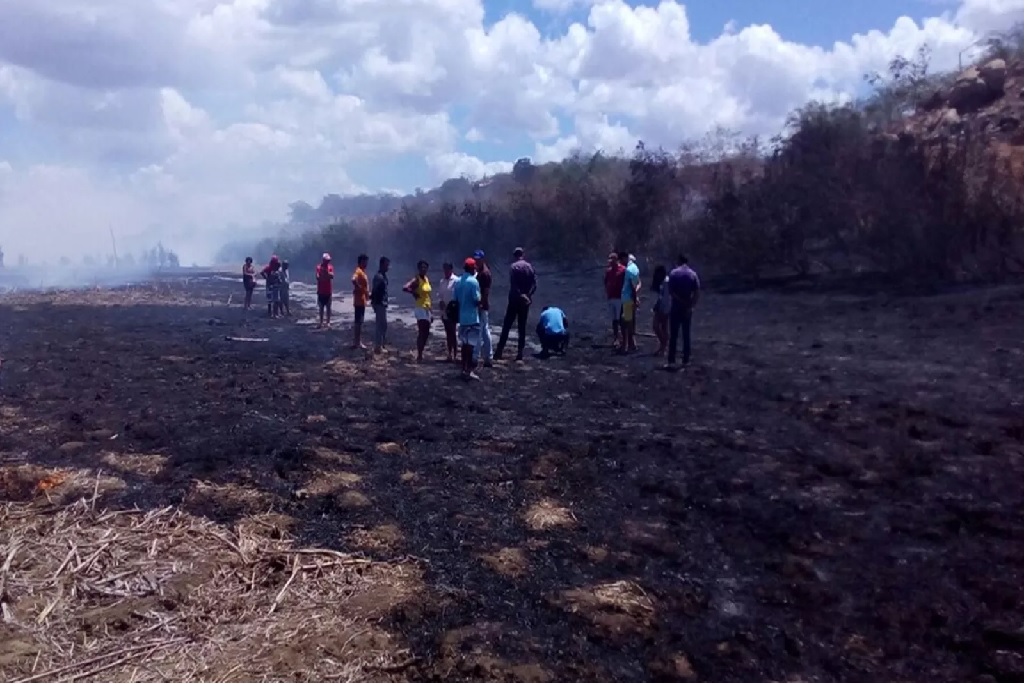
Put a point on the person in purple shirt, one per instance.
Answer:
(522, 285)
(684, 288)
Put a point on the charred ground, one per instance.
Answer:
(832, 491)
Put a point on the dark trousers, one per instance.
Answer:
(679, 322)
(517, 310)
(552, 342)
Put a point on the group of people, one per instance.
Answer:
(276, 279)
(463, 303)
(465, 317)
(676, 294)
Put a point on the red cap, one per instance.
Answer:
(470, 263)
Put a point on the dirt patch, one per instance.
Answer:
(546, 515)
(615, 607)
(508, 561)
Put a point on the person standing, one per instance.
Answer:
(248, 282)
(360, 297)
(684, 288)
(379, 302)
(420, 287)
(286, 278)
(325, 274)
(630, 296)
(446, 294)
(522, 286)
(467, 294)
(614, 294)
(271, 274)
(482, 354)
(660, 311)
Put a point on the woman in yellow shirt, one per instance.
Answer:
(420, 287)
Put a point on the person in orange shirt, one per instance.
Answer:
(325, 288)
(360, 297)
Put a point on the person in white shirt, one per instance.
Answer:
(446, 293)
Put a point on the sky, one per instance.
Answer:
(182, 120)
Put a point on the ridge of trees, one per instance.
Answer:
(829, 195)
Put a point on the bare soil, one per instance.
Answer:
(831, 491)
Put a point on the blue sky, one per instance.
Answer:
(815, 22)
(193, 115)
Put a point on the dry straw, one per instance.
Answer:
(133, 595)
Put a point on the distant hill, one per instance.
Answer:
(333, 208)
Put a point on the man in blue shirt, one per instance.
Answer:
(467, 293)
(684, 288)
(553, 331)
(630, 296)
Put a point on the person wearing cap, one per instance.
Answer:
(467, 295)
(522, 285)
(614, 294)
(553, 331)
(360, 298)
(420, 287)
(285, 281)
(630, 297)
(271, 274)
(379, 301)
(446, 295)
(325, 274)
(482, 352)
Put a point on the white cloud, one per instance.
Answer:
(172, 118)
(457, 164)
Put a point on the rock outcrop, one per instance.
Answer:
(983, 104)
(983, 100)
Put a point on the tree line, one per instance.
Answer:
(833, 194)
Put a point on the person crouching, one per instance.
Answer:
(553, 331)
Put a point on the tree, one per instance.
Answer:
(650, 198)
(898, 92)
(301, 213)
(523, 171)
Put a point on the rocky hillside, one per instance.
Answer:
(982, 102)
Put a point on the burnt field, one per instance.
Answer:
(832, 491)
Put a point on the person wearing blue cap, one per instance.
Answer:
(482, 352)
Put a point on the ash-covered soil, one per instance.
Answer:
(833, 489)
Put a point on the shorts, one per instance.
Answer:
(469, 335)
(359, 313)
(249, 284)
(323, 300)
(273, 294)
(628, 311)
(422, 314)
(615, 309)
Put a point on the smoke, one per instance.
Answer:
(67, 277)
(59, 227)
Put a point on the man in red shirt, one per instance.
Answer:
(325, 280)
(614, 275)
